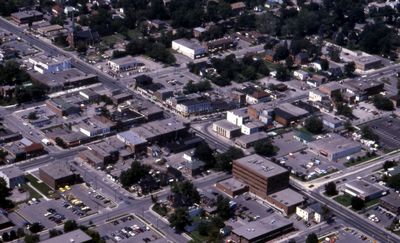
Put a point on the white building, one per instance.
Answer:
(251, 127)
(124, 64)
(13, 176)
(316, 96)
(49, 64)
(189, 48)
(237, 117)
(301, 75)
(311, 213)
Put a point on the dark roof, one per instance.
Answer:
(87, 34)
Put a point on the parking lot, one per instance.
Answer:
(388, 130)
(149, 65)
(310, 164)
(287, 144)
(90, 198)
(128, 229)
(380, 216)
(47, 213)
(349, 235)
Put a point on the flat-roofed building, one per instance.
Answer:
(226, 129)
(391, 202)
(331, 89)
(220, 44)
(131, 139)
(237, 117)
(335, 147)
(194, 106)
(75, 236)
(26, 17)
(61, 107)
(247, 141)
(287, 113)
(124, 64)
(286, 200)
(252, 127)
(189, 48)
(50, 64)
(232, 187)
(365, 63)
(261, 175)
(13, 176)
(95, 126)
(67, 79)
(262, 230)
(161, 130)
(364, 88)
(51, 30)
(364, 190)
(56, 175)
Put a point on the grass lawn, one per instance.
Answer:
(40, 186)
(344, 199)
(112, 39)
(160, 210)
(372, 203)
(197, 237)
(31, 191)
(356, 162)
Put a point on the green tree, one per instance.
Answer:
(312, 238)
(224, 160)
(282, 73)
(179, 219)
(349, 69)
(81, 47)
(5, 236)
(204, 153)
(394, 182)
(185, 194)
(383, 103)
(70, 225)
(32, 116)
(334, 53)
(223, 208)
(330, 189)
(344, 110)
(324, 64)
(265, 148)
(36, 227)
(5, 192)
(132, 175)
(20, 232)
(314, 124)
(389, 164)
(32, 238)
(54, 233)
(281, 53)
(368, 133)
(203, 228)
(357, 203)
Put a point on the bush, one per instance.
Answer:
(314, 125)
(383, 103)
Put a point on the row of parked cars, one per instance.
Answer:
(54, 216)
(127, 232)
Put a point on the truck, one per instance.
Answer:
(45, 141)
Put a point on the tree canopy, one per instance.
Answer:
(314, 125)
(383, 103)
(185, 194)
(179, 219)
(265, 148)
(132, 175)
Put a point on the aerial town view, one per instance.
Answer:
(174, 121)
